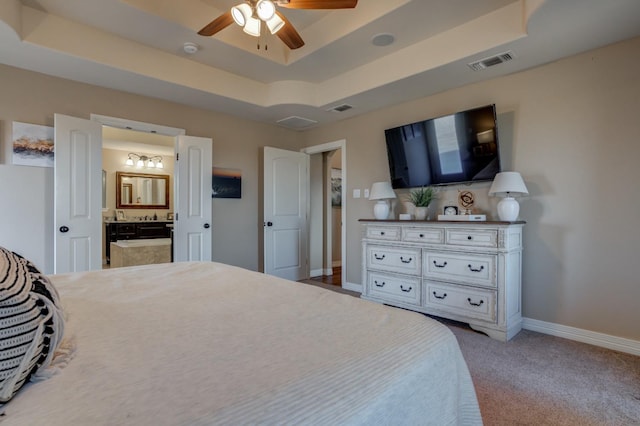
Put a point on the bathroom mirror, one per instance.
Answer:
(142, 191)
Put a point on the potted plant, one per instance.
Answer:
(421, 198)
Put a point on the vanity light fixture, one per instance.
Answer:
(149, 162)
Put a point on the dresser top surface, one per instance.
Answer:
(448, 222)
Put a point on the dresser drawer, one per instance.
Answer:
(390, 287)
(465, 268)
(402, 260)
(387, 233)
(470, 302)
(423, 235)
(472, 237)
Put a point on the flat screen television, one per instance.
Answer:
(456, 148)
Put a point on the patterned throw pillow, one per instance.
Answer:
(31, 322)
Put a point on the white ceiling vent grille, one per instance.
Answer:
(295, 122)
(492, 60)
(340, 108)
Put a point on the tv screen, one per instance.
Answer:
(456, 148)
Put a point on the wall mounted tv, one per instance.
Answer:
(456, 148)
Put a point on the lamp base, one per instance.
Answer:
(381, 210)
(508, 209)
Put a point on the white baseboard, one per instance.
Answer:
(585, 336)
(352, 287)
(316, 272)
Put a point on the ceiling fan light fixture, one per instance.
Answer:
(265, 9)
(241, 13)
(252, 27)
(275, 24)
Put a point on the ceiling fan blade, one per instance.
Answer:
(288, 34)
(218, 24)
(319, 4)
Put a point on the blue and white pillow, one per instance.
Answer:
(31, 323)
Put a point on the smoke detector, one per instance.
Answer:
(190, 48)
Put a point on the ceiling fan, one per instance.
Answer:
(251, 14)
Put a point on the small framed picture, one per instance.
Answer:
(120, 215)
(170, 216)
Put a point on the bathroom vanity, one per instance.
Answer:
(134, 230)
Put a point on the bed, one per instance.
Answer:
(207, 343)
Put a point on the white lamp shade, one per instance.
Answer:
(381, 191)
(507, 184)
(252, 27)
(160, 165)
(275, 24)
(241, 13)
(265, 9)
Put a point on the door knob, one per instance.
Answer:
(64, 229)
(206, 226)
(269, 223)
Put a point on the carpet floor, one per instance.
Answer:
(537, 379)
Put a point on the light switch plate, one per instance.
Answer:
(366, 193)
(356, 193)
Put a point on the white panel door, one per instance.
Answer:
(78, 195)
(286, 189)
(192, 220)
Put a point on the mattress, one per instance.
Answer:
(207, 343)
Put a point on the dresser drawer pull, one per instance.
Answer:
(472, 269)
(475, 304)
(381, 232)
(441, 265)
(421, 235)
(469, 237)
(405, 261)
(378, 257)
(382, 284)
(406, 290)
(439, 297)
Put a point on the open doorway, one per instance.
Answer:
(138, 197)
(327, 213)
(138, 191)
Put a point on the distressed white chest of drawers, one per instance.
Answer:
(469, 272)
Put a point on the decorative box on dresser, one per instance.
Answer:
(464, 271)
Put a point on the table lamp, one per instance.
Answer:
(381, 191)
(506, 185)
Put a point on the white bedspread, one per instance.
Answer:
(206, 343)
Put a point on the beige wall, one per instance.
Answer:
(26, 193)
(572, 129)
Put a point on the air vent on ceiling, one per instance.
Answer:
(340, 108)
(491, 61)
(296, 122)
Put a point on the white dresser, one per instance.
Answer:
(464, 271)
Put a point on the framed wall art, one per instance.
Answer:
(32, 145)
